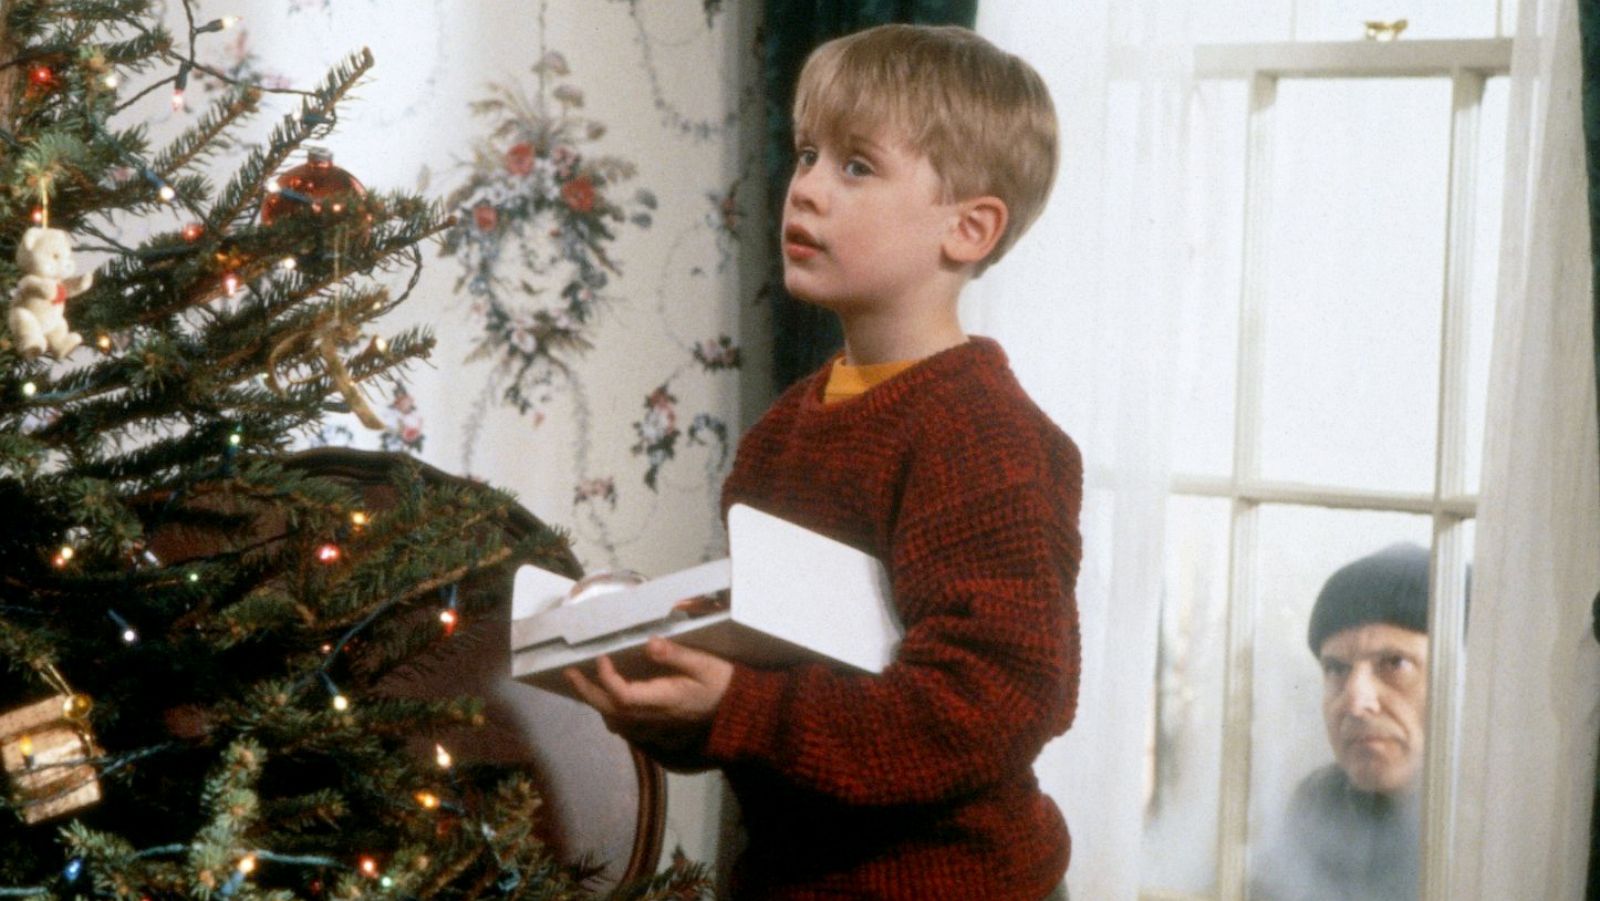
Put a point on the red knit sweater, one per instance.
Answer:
(916, 783)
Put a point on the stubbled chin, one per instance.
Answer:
(1376, 773)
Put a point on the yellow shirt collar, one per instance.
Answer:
(845, 381)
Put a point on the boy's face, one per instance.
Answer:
(863, 224)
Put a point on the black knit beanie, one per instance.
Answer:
(1390, 586)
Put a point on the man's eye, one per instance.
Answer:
(1395, 663)
(1333, 669)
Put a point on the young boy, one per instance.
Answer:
(923, 154)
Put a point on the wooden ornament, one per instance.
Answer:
(46, 749)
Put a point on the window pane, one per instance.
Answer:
(1180, 825)
(1208, 335)
(1241, 21)
(1355, 261)
(1344, 20)
(1233, 21)
(1362, 786)
(1485, 269)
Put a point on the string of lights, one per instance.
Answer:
(212, 334)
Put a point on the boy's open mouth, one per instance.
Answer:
(799, 243)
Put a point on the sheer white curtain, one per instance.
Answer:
(1532, 703)
(1087, 307)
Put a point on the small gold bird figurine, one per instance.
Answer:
(1385, 31)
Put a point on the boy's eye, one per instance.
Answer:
(857, 169)
(807, 156)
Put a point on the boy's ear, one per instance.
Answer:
(978, 226)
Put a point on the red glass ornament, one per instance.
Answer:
(317, 186)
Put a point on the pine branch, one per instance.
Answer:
(205, 137)
(168, 442)
(231, 799)
(154, 396)
(149, 280)
(24, 649)
(137, 53)
(317, 113)
(300, 813)
(102, 11)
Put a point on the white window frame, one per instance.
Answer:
(1468, 63)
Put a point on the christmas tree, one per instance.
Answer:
(204, 633)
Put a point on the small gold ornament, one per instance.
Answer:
(76, 707)
(1385, 31)
(47, 750)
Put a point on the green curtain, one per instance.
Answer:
(1589, 27)
(803, 337)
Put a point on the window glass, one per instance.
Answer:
(1354, 250)
(1508, 18)
(1203, 406)
(1331, 789)
(1185, 742)
(1242, 21)
(1344, 20)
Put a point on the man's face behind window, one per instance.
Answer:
(1375, 703)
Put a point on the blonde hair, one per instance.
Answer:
(982, 116)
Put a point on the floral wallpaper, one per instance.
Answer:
(540, 216)
(564, 251)
(596, 296)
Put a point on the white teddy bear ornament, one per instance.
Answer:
(39, 304)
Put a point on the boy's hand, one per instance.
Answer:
(688, 697)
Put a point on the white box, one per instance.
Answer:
(795, 596)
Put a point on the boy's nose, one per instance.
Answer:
(804, 191)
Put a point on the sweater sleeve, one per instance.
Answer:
(982, 570)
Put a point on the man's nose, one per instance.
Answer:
(1360, 695)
